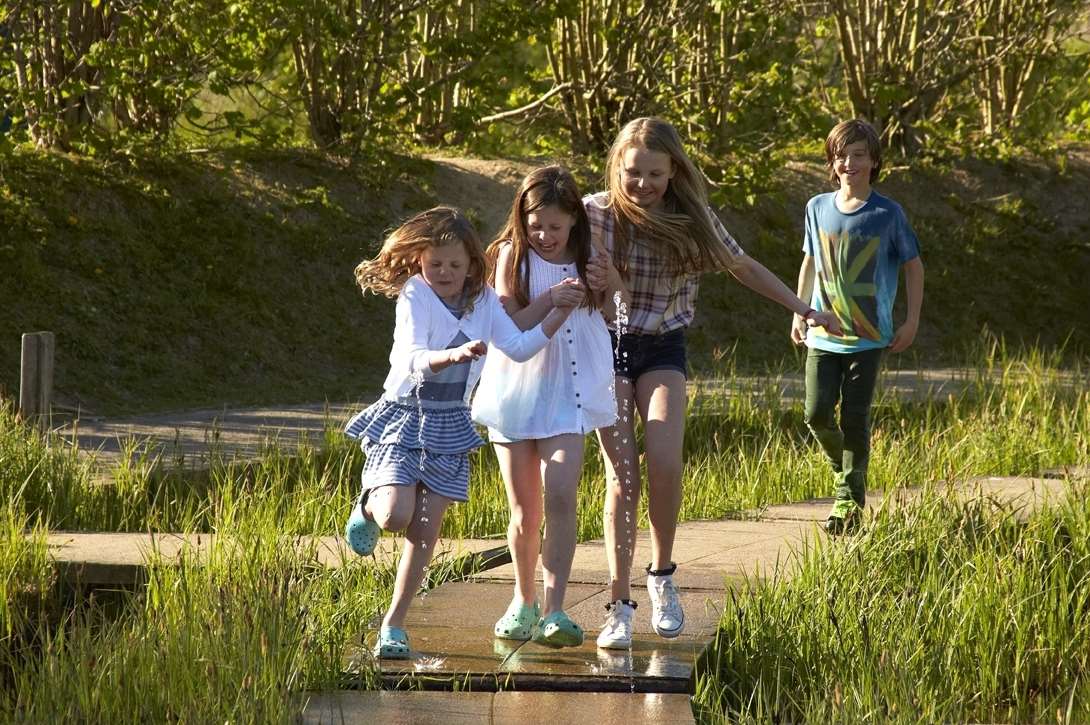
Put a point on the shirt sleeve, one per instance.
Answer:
(505, 334)
(905, 242)
(598, 218)
(411, 333)
(724, 236)
(808, 230)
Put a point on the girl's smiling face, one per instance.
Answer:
(445, 269)
(645, 176)
(548, 229)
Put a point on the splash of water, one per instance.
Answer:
(624, 480)
(427, 663)
(417, 379)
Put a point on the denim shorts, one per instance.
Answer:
(639, 354)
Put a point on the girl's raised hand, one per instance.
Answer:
(467, 351)
(569, 292)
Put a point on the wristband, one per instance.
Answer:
(809, 313)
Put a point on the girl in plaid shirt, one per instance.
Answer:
(655, 221)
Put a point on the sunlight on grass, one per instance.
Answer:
(942, 612)
(986, 616)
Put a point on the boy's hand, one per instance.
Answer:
(570, 292)
(904, 336)
(467, 351)
(798, 329)
(828, 320)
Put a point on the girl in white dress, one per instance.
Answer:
(418, 435)
(539, 411)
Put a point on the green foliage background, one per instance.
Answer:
(185, 185)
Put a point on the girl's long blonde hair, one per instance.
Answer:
(399, 257)
(683, 230)
(547, 186)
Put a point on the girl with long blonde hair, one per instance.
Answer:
(655, 221)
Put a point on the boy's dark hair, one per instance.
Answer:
(848, 132)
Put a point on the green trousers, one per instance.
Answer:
(848, 379)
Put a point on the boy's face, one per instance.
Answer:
(853, 165)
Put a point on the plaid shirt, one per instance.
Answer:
(659, 303)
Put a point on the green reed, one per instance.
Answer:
(240, 636)
(944, 611)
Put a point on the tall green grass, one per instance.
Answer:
(942, 612)
(745, 449)
(233, 637)
(238, 636)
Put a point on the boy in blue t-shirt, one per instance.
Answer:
(856, 241)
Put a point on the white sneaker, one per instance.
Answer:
(667, 617)
(617, 631)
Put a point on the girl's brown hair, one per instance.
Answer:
(547, 186)
(399, 257)
(683, 231)
(848, 132)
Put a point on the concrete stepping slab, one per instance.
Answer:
(707, 553)
(591, 707)
(1074, 471)
(105, 559)
(450, 632)
(500, 708)
(398, 708)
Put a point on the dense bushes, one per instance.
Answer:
(743, 78)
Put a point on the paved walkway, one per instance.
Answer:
(189, 438)
(112, 559)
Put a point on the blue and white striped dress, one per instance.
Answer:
(424, 437)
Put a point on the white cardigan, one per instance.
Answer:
(424, 325)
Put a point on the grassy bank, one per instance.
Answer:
(225, 278)
(942, 612)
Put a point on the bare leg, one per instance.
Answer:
(519, 465)
(561, 464)
(622, 490)
(391, 507)
(660, 397)
(416, 551)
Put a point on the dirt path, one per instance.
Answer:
(190, 438)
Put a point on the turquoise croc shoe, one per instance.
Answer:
(393, 644)
(361, 533)
(557, 630)
(517, 622)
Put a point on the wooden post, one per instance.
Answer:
(36, 378)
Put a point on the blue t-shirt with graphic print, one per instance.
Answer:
(857, 256)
